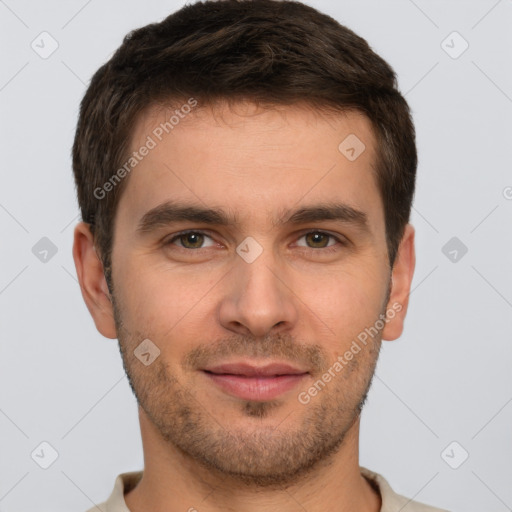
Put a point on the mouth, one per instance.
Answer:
(259, 383)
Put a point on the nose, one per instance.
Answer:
(259, 298)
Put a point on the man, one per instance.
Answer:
(245, 172)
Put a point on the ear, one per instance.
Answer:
(402, 275)
(92, 281)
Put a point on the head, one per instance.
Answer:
(278, 139)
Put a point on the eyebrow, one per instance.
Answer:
(171, 212)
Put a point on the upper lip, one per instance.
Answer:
(249, 370)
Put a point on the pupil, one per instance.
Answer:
(317, 237)
(190, 238)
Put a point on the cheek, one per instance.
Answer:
(161, 302)
(344, 304)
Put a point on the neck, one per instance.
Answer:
(172, 481)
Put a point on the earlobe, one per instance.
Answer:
(401, 280)
(91, 278)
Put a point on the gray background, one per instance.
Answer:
(448, 378)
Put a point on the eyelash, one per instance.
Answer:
(328, 249)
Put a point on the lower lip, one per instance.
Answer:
(255, 388)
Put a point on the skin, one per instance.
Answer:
(205, 449)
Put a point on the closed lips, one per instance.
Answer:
(245, 370)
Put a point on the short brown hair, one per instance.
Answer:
(268, 52)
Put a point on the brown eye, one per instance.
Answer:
(192, 240)
(318, 239)
(189, 240)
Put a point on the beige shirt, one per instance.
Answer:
(391, 502)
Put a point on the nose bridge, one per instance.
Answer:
(259, 299)
(259, 277)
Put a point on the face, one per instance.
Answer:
(286, 263)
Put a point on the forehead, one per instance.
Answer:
(252, 161)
